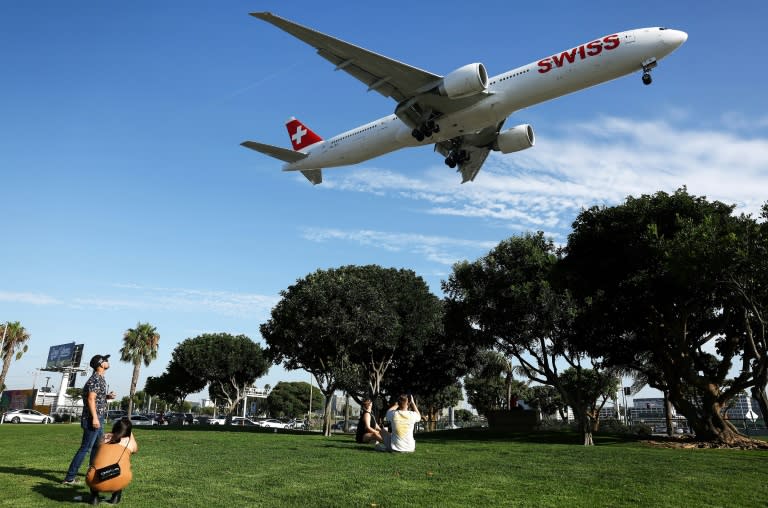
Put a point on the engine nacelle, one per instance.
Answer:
(465, 81)
(515, 139)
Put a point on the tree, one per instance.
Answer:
(547, 400)
(346, 325)
(13, 344)
(173, 385)
(139, 345)
(660, 279)
(490, 383)
(587, 391)
(227, 363)
(292, 399)
(508, 301)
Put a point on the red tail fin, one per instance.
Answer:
(301, 135)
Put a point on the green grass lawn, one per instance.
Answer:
(212, 467)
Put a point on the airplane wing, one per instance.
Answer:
(406, 84)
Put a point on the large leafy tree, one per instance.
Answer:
(173, 385)
(227, 363)
(13, 344)
(490, 384)
(507, 300)
(346, 326)
(139, 346)
(663, 278)
(292, 399)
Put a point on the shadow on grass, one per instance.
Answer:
(541, 437)
(49, 486)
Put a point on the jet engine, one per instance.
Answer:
(515, 139)
(464, 81)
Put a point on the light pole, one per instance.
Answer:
(309, 413)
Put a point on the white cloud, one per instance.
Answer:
(438, 249)
(133, 296)
(28, 298)
(578, 165)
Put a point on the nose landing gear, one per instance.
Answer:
(647, 66)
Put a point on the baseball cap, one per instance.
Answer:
(97, 360)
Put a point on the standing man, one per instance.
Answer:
(403, 416)
(94, 410)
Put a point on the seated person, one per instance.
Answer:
(118, 446)
(402, 417)
(368, 431)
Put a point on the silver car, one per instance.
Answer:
(26, 416)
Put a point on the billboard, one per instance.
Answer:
(17, 399)
(60, 356)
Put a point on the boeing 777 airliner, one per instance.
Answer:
(461, 113)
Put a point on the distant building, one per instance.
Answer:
(743, 407)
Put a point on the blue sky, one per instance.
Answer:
(126, 196)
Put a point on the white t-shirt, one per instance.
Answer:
(402, 423)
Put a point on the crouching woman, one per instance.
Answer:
(117, 448)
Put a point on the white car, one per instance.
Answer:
(26, 416)
(244, 422)
(142, 420)
(272, 424)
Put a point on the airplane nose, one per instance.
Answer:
(675, 38)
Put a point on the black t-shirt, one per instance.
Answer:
(361, 426)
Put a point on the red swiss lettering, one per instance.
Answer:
(545, 65)
(565, 55)
(582, 52)
(594, 48)
(611, 42)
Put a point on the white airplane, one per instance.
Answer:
(461, 113)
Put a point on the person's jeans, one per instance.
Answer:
(91, 441)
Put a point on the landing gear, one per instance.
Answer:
(456, 157)
(647, 79)
(425, 130)
(647, 66)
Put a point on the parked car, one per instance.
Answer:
(116, 414)
(297, 424)
(142, 420)
(215, 421)
(244, 422)
(340, 426)
(272, 424)
(180, 418)
(26, 416)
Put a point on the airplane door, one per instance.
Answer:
(628, 38)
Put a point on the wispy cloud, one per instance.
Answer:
(28, 298)
(134, 296)
(591, 163)
(437, 249)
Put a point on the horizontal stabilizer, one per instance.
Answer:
(275, 151)
(313, 175)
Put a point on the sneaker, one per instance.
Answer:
(74, 481)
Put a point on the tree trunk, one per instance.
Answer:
(327, 414)
(668, 413)
(758, 393)
(707, 422)
(585, 424)
(134, 382)
(6, 366)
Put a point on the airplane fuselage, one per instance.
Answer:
(586, 65)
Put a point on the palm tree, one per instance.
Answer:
(12, 343)
(139, 345)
